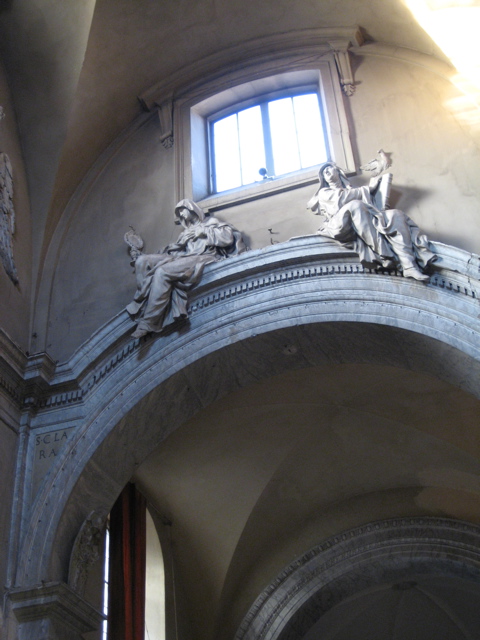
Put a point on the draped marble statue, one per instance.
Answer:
(164, 279)
(355, 218)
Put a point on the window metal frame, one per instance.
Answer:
(263, 102)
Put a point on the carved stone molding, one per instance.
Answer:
(86, 551)
(259, 52)
(381, 552)
(307, 261)
(165, 116)
(52, 611)
(307, 285)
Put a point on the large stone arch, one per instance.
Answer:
(379, 553)
(287, 306)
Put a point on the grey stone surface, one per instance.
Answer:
(253, 297)
(382, 552)
(52, 611)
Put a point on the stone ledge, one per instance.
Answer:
(46, 386)
(57, 604)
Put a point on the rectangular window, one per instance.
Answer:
(270, 139)
(286, 124)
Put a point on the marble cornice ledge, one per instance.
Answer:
(300, 259)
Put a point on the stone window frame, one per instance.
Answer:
(192, 113)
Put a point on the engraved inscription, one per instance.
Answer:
(47, 447)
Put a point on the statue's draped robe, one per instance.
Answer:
(163, 280)
(381, 238)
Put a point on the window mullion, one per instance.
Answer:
(296, 133)
(267, 139)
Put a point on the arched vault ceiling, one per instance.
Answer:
(260, 476)
(76, 68)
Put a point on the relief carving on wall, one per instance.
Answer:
(86, 551)
(7, 217)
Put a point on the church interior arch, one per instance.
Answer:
(309, 409)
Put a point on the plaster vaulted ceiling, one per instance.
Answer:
(76, 68)
(268, 472)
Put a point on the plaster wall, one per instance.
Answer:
(15, 299)
(398, 106)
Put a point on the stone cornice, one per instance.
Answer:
(260, 54)
(261, 57)
(300, 259)
(44, 386)
(55, 601)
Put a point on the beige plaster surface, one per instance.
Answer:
(15, 301)
(42, 45)
(77, 68)
(398, 106)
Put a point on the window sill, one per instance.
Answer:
(259, 189)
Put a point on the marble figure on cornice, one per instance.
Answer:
(357, 218)
(164, 279)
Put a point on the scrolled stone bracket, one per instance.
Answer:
(165, 116)
(49, 388)
(344, 67)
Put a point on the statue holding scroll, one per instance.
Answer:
(358, 218)
(164, 279)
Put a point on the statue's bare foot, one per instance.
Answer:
(413, 272)
(139, 333)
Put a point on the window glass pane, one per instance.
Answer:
(293, 139)
(252, 148)
(227, 153)
(284, 136)
(311, 140)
